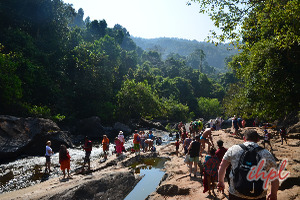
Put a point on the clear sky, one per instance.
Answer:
(149, 18)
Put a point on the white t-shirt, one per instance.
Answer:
(233, 155)
(48, 149)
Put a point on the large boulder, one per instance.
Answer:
(28, 136)
(90, 127)
(122, 127)
(116, 185)
(151, 124)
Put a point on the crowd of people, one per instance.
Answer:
(214, 167)
(142, 142)
(222, 162)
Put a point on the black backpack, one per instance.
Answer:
(249, 158)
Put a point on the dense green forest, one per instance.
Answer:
(215, 55)
(56, 64)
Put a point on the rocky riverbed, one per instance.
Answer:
(121, 178)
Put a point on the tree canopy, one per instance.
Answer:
(267, 32)
(55, 64)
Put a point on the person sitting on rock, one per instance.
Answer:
(149, 144)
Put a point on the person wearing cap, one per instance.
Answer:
(207, 138)
(122, 139)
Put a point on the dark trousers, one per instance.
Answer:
(232, 197)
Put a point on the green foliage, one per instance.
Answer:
(62, 64)
(58, 117)
(137, 100)
(40, 111)
(268, 66)
(209, 108)
(10, 83)
(175, 111)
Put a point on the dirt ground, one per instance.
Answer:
(177, 172)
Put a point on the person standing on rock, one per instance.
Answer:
(206, 138)
(151, 136)
(122, 139)
(211, 165)
(105, 146)
(187, 143)
(64, 160)
(119, 145)
(143, 138)
(136, 142)
(177, 143)
(48, 155)
(235, 125)
(283, 135)
(267, 139)
(244, 123)
(88, 150)
(220, 154)
(194, 150)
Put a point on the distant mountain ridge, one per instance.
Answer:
(215, 55)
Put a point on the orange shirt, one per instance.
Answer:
(135, 136)
(105, 143)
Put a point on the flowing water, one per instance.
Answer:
(29, 171)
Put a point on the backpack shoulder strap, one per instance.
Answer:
(243, 147)
(241, 158)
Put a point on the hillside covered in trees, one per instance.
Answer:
(55, 64)
(215, 56)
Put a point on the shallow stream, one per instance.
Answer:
(28, 171)
(151, 170)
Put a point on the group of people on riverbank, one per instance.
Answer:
(142, 142)
(64, 159)
(220, 163)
